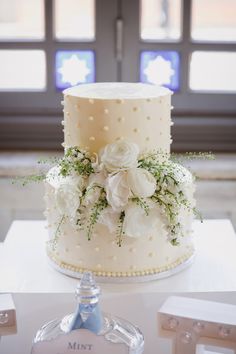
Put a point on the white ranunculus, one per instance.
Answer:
(68, 195)
(121, 155)
(92, 194)
(142, 183)
(109, 218)
(98, 178)
(137, 223)
(117, 190)
(96, 181)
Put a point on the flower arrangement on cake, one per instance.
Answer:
(123, 189)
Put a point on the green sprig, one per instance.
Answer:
(142, 203)
(96, 210)
(120, 232)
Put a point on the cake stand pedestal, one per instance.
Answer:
(24, 266)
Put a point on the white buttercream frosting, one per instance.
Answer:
(99, 114)
(95, 117)
(117, 90)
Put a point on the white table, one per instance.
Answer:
(24, 266)
(33, 310)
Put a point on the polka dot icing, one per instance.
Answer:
(91, 101)
(105, 128)
(106, 111)
(91, 118)
(91, 138)
(135, 130)
(121, 119)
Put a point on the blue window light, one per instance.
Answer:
(160, 68)
(74, 67)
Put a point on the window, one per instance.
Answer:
(187, 46)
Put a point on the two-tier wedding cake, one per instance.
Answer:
(117, 205)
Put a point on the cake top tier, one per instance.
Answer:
(120, 90)
(99, 114)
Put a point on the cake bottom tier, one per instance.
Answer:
(71, 252)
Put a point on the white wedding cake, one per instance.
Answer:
(117, 204)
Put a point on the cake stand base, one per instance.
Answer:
(130, 279)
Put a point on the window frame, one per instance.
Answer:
(195, 102)
(36, 101)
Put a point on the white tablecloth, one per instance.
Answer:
(33, 310)
(24, 266)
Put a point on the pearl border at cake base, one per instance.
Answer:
(109, 278)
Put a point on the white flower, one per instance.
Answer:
(117, 190)
(92, 194)
(109, 218)
(142, 183)
(98, 178)
(96, 181)
(137, 223)
(68, 195)
(119, 156)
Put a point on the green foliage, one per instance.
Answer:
(120, 232)
(95, 212)
(29, 179)
(76, 160)
(142, 203)
(57, 234)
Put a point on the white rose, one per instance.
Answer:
(119, 156)
(137, 223)
(117, 190)
(109, 218)
(96, 181)
(68, 195)
(142, 183)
